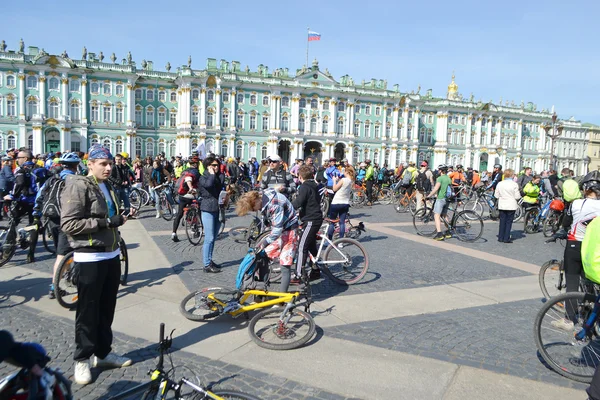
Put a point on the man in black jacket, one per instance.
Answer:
(308, 201)
(119, 179)
(277, 177)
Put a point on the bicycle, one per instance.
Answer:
(65, 279)
(351, 231)
(467, 225)
(21, 235)
(192, 220)
(483, 199)
(165, 207)
(553, 221)
(406, 202)
(47, 238)
(161, 384)
(279, 328)
(535, 216)
(251, 233)
(138, 196)
(345, 261)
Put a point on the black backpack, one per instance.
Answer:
(52, 191)
(423, 183)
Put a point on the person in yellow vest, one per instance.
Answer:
(532, 190)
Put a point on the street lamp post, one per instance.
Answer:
(556, 128)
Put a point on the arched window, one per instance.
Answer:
(53, 109)
(150, 94)
(263, 151)
(253, 99)
(225, 97)
(341, 106)
(301, 124)
(225, 119)
(265, 100)
(32, 82)
(162, 96)
(240, 98)
(210, 119)
(340, 127)
(119, 90)
(106, 144)
(32, 108)
(10, 81)
(325, 125)
(356, 128)
(367, 129)
(210, 146)
(53, 84)
(314, 104)
(11, 142)
(356, 153)
(252, 150)
(239, 150)
(195, 95)
(449, 138)
(357, 109)
(162, 147)
(30, 141)
(422, 135)
(285, 124)
(302, 103)
(138, 94)
(106, 89)
(149, 148)
(210, 95)
(95, 88)
(285, 101)
(368, 110)
(377, 131)
(378, 111)
(313, 125)
(94, 141)
(326, 105)
(388, 130)
(119, 146)
(173, 97)
(150, 117)
(430, 136)
(224, 149)
(172, 149)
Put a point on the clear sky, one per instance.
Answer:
(545, 52)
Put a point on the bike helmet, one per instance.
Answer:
(459, 166)
(50, 155)
(498, 166)
(443, 167)
(591, 181)
(125, 154)
(69, 158)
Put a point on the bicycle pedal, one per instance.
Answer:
(232, 306)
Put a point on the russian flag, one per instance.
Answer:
(313, 36)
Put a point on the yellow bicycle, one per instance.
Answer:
(275, 328)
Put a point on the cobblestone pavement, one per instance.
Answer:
(56, 335)
(498, 338)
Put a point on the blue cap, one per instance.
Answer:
(28, 164)
(97, 152)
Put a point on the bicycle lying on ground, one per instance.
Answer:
(279, 328)
(65, 279)
(161, 383)
(467, 225)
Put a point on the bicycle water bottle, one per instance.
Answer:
(23, 242)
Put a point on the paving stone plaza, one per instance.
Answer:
(430, 320)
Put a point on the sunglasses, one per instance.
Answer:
(214, 165)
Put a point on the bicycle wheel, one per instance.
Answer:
(166, 208)
(475, 206)
(231, 394)
(383, 196)
(47, 239)
(222, 221)
(349, 261)
(5, 256)
(531, 224)
(65, 283)
(556, 342)
(412, 205)
(468, 226)
(124, 262)
(324, 206)
(145, 197)
(239, 234)
(551, 224)
(518, 214)
(193, 227)
(196, 306)
(552, 279)
(274, 331)
(423, 222)
(401, 205)
(135, 198)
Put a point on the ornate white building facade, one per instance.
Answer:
(53, 102)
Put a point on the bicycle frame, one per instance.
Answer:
(323, 236)
(235, 308)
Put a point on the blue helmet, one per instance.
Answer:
(69, 158)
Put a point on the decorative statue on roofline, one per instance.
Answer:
(190, 61)
(168, 66)
(3, 46)
(84, 53)
(64, 54)
(101, 56)
(129, 58)
(113, 58)
(144, 64)
(21, 46)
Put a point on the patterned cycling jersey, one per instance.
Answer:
(583, 211)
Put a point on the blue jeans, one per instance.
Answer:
(211, 223)
(336, 210)
(124, 195)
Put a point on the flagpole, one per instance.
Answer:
(307, 42)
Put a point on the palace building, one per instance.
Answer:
(54, 102)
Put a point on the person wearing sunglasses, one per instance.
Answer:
(211, 184)
(276, 177)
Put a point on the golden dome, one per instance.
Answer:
(452, 87)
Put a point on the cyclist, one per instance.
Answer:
(24, 192)
(496, 177)
(47, 203)
(159, 176)
(331, 172)
(457, 177)
(409, 176)
(278, 178)
(531, 191)
(119, 179)
(282, 241)
(186, 193)
(440, 208)
(7, 179)
(583, 211)
(369, 178)
(90, 218)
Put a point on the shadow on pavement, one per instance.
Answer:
(30, 289)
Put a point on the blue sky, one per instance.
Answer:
(545, 52)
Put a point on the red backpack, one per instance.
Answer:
(182, 187)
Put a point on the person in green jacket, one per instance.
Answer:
(532, 190)
(369, 178)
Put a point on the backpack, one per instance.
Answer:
(422, 183)
(406, 178)
(381, 174)
(41, 175)
(570, 190)
(253, 272)
(450, 193)
(590, 251)
(52, 191)
(182, 188)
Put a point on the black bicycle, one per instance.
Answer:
(467, 225)
(21, 237)
(161, 383)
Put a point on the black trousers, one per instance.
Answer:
(183, 202)
(594, 390)
(573, 271)
(369, 191)
(97, 288)
(506, 220)
(308, 242)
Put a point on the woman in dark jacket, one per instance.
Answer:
(7, 180)
(211, 184)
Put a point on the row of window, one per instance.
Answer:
(162, 95)
(162, 118)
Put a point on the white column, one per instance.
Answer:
(231, 147)
(350, 154)
(542, 142)
(217, 149)
(476, 156)
(42, 91)
(84, 100)
(130, 99)
(441, 129)
(404, 126)
(415, 128)
(232, 111)
(468, 131)
(332, 117)
(349, 119)
(278, 113)
(498, 133)
(489, 132)
(295, 114)
(21, 95)
(218, 107)
(520, 135)
(439, 157)
(395, 125)
(65, 139)
(203, 109)
(403, 153)
(38, 145)
(273, 113)
(478, 132)
(393, 154)
(518, 162)
(65, 95)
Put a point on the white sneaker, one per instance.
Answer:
(158, 216)
(82, 375)
(111, 360)
(563, 324)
